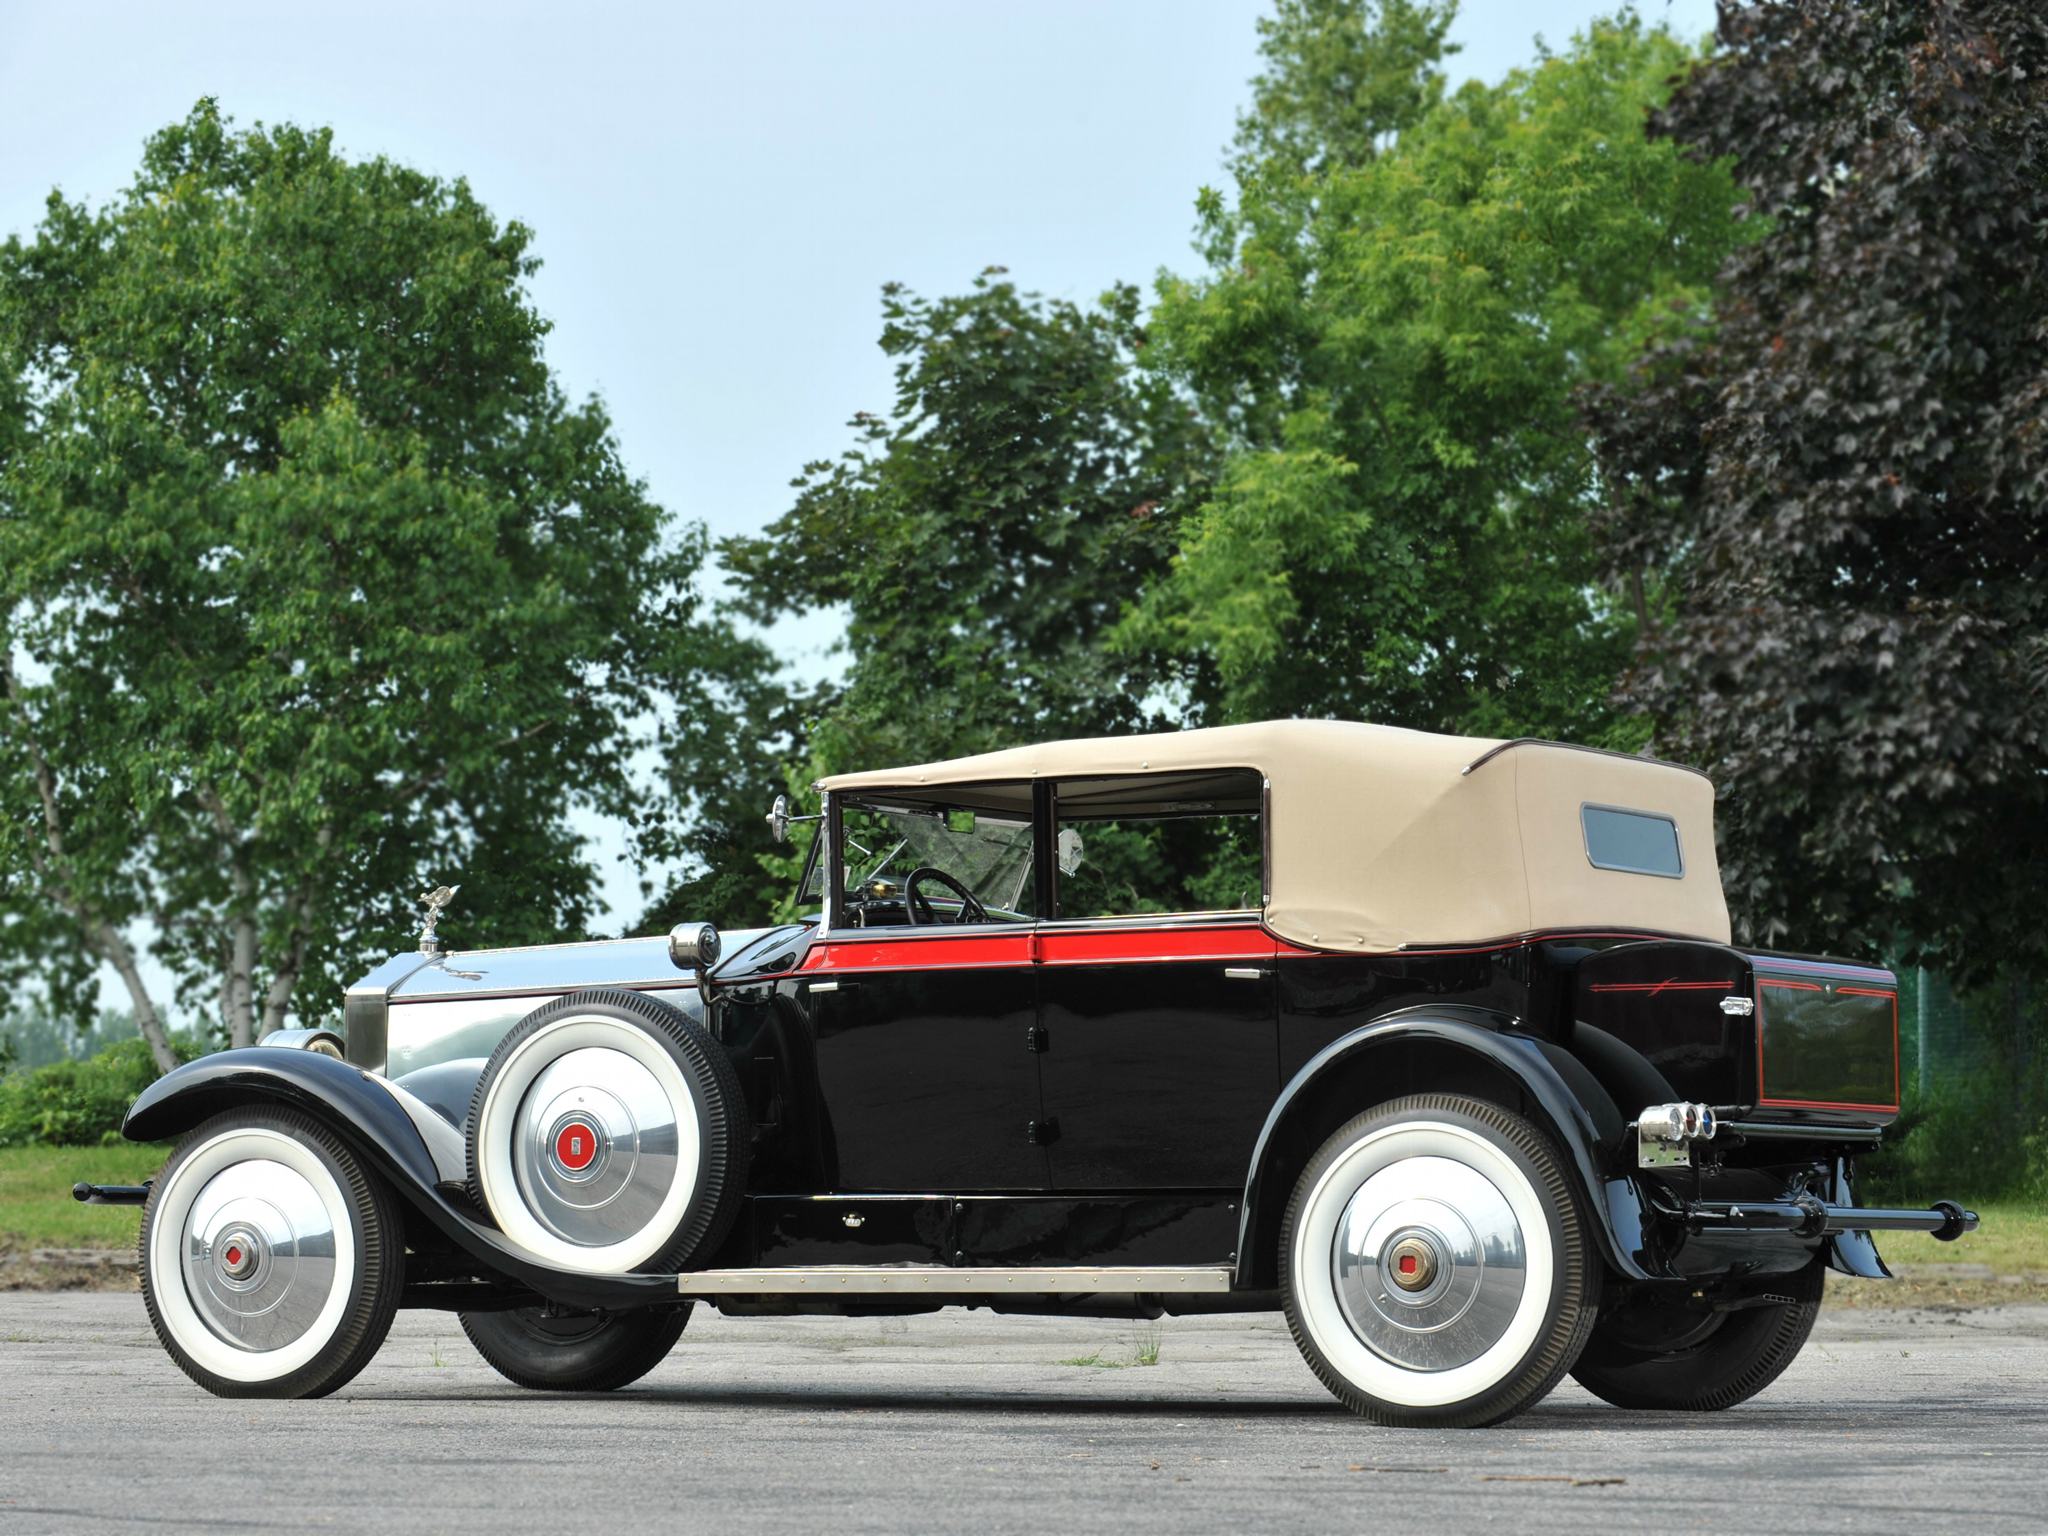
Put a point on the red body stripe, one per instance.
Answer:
(988, 950)
(1823, 1104)
(1049, 945)
(1241, 941)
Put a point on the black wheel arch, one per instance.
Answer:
(1439, 1049)
(376, 1127)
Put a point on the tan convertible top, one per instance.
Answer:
(1383, 837)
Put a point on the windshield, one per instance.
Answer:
(989, 855)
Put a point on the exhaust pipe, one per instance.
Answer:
(1806, 1216)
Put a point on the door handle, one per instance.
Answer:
(1245, 972)
(832, 986)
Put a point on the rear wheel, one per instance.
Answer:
(271, 1257)
(1673, 1354)
(1435, 1269)
(554, 1351)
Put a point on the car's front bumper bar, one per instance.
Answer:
(1807, 1216)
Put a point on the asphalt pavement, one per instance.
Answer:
(1889, 1421)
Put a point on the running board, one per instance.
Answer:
(932, 1280)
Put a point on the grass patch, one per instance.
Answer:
(1144, 1352)
(36, 1208)
(1097, 1361)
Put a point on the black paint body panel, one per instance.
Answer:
(1173, 1227)
(1159, 1075)
(1176, 1227)
(1324, 997)
(1663, 1000)
(927, 1080)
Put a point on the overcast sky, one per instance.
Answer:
(719, 190)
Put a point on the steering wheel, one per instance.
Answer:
(914, 900)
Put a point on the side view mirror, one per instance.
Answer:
(779, 819)
(693, 946)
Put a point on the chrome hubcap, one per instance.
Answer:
(595, 1150)
(259, 1255)
(1429, 1263)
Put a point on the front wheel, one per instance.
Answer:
(1661, 1352)
(271, 1257)
(554, 1351)
(1435, 1269)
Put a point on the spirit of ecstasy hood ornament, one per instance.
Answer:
(434, 901)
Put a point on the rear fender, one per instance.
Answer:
(1438, 1050)
(373, 1118)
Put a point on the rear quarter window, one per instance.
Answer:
(1635, 842)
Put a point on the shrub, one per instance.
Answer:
(1970, 1139)
(79, 1103)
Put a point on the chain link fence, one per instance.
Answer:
(1974, 1066)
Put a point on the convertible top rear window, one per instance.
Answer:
(1634, 842)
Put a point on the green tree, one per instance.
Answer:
(1343, 78)
(985, 535)
(1402, 297)
(981, 540)
(314, 588)
(1847, 482)
(744, 737)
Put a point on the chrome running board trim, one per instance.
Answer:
(931, 1280)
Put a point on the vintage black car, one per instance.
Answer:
(1437, 1045)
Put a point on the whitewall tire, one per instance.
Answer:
(1435, 1269)
(271, 1258)
(607, 1135)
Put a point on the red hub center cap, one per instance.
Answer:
(576, 1146)
(234, 1257)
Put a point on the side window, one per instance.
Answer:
(1160, 843)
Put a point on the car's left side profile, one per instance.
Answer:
(1438, 1047)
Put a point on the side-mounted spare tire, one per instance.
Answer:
(608, 1135)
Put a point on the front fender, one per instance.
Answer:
(367, 1116)
(1572, 1114)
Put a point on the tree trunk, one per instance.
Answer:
(241, 998)
(101, 937)
(286, 977)
(116, 951)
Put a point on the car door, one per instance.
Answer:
(1159, 1036)
(923, 1058)
(1160, 1053)
(923, 1029)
